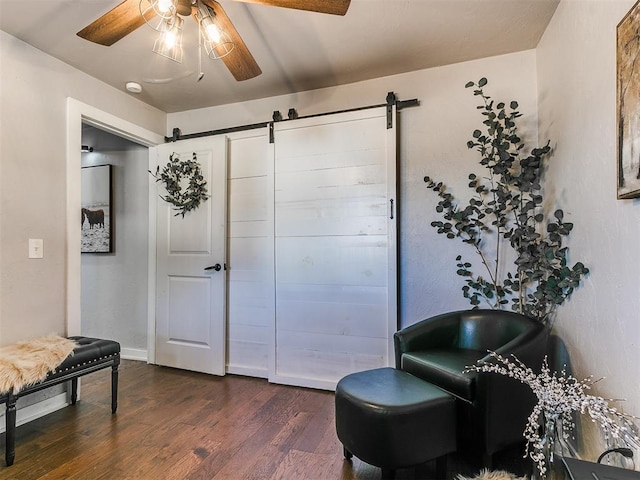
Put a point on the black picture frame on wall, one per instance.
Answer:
(96, 216)
(628, 103)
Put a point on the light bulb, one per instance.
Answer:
(165, 6)
(216, 42)
(170, 39)
(213, 33)
(169, 43)
(210, 30)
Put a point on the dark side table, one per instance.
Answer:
(575, 469)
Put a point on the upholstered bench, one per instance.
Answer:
(90, 355)
(391, 419)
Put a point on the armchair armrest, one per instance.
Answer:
(529, 347)
(505, 401)
(435, 332)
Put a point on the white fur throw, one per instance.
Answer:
(495, 475)
(26, 363)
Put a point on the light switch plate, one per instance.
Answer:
(36, 248)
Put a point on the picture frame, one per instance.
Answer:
(628, 104)
(96, 212)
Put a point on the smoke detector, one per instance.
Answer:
(133, 87)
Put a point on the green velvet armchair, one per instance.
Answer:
(492, 409)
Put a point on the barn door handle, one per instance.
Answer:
(217, 267)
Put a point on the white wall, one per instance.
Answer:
(114, 286)
(577, 87)
(33, 106)
(432, 142)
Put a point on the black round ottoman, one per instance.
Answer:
(391, 419)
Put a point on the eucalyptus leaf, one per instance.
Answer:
(507, 202)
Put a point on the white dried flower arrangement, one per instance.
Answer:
(559, 396)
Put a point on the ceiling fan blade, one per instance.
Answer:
(334, 7)
(240, 62)
(117, 23)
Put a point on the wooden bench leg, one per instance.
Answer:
(74, 390)
(347, 454)
(114, 388)
(10, 450)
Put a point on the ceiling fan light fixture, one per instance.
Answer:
(164, 7)
(169, 43)
(216, 41)
(211, 31)
(155, 12)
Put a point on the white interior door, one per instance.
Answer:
(190, 273)
(335, 247)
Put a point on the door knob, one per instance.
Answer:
(217, 267)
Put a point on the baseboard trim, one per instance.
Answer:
(304, 382)
(134, 354)
(37, 410)
(247, 371)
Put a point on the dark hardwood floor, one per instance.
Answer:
(173, 424)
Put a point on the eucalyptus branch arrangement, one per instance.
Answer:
(173, 176)
(507, 204)
(559, 395)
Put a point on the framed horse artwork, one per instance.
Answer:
(96, 219)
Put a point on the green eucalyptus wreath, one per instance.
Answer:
(172, 175)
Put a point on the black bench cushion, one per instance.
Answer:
(88, 351)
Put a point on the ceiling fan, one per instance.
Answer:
(165, 16)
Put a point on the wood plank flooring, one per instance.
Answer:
(173, 424)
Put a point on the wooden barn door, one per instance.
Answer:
(335, 247)
(250, 297)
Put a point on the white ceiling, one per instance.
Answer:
(296, 50)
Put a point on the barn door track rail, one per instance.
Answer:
(292, 114)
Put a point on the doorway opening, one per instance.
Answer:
(115, 250)
(79, 114)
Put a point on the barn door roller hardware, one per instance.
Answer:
(400, 104)
(292, 114)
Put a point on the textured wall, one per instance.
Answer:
(33, 109)
(577, 88)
